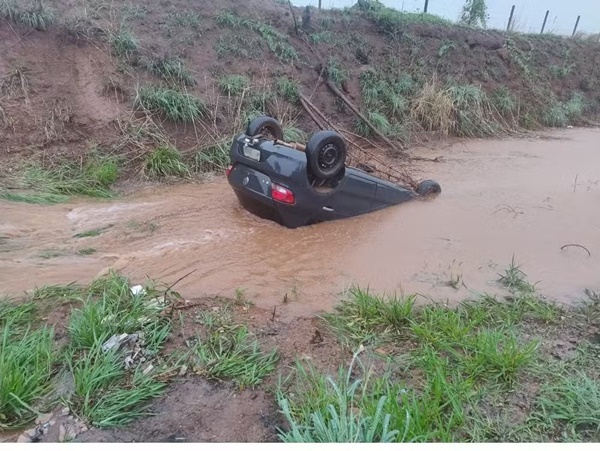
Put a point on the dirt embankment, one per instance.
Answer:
(71, 88)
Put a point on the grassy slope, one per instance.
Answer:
(197, 73)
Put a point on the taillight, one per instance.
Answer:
(228, 170)
(282, 194)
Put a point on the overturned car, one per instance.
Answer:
(296, 185)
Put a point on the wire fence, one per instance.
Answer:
(543, 16)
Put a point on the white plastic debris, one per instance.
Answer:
(138, 289)
(116, 341)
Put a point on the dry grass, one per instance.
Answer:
(59, 115)
(15, 84)
(433, 108)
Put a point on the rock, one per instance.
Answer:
(62, 433)
(64, 412)
(31, 433)
(43, 419)
(183, 370)
(23, 438)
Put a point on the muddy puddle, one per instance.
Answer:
(527, 197)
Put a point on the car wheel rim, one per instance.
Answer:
(328, 156)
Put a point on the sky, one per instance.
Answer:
(529, 14)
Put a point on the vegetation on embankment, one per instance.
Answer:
(519, 368)
(186, 77)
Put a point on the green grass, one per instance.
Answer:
(51, 185)
(183, 19)
(229, 351)
(504, 101)
(277, 42)
(292, 133)
(515, 279)
(53, 293)
(86, 251)
(393, 22)
(26, 361)
(472, 108)
(170, 69)
(173, 104)
(123, 43)
(33, 198)
(102, 397)
(92, 232)
(213, 158)
(570, 406)
(335, 71)
(234, 85)
(165, 162)
(365, 318)
(288, 89)
(30, 13)
(231, 44)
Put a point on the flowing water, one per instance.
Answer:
(521, 197)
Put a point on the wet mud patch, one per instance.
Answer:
(196, 410)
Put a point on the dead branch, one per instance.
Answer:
(577, 245)
(384, 138)
(310, 113)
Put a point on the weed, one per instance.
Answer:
(237, 46)
(86, 251)
(570, 404)
(33, 198)
(170, 69)
(433, 108)
(92, 232)
(445, 48)
(229, 352)
(335, 421)
(80, 26)
(33, 14)
(293, 134)
(67, 178)
(165, 162)
(335, 72)
(288, 89)
(174, 105)
(326, 37)
(515, 279)
(62, 293)
(25, 367)
(472, 110)
(213, 158)
(51, 253)
(15, 83)
(102, 397)
(111, 308)
(364, 318)
(504, 101)
(133, 12)
(123, 44)
(234, 85)
(277, 42)
(177, 19)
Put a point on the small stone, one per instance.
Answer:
(64, 412)
(43, 419)
(183, 370)
(31, 433)
(61, 433)
(23, 439)
(51, 423)
(83, 428)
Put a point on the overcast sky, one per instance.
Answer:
(529, 14)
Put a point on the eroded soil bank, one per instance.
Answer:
(525, 197)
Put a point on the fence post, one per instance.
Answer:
(576, 25)
(512, 11)
(319, 4)
(544, 24)
(426, 6)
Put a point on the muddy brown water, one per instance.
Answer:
(526, 197)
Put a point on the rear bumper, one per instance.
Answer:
(253, 190)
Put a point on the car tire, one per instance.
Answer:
(267, 124)
(428, 188)
(326, 154)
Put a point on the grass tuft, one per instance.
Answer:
(234, 85)
(173, 104)
(288, 89)
(229, 352)
(170, 69)
(30, 13)
(123, 44)
(213, 158)
(165, 162)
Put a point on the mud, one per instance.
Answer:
(522, 197)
